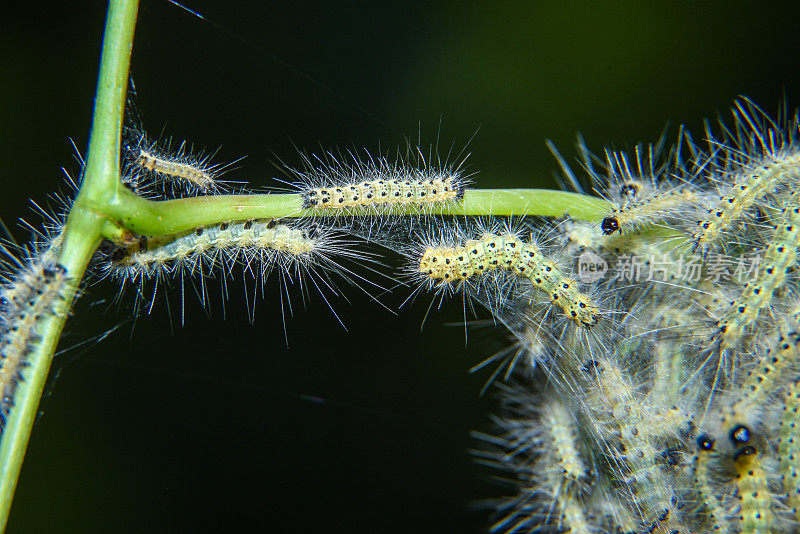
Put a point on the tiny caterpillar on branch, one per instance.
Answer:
(445, 264)
(25, 301)
(261, 246)
(376, 185)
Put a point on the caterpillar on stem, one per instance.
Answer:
(25, 300)
(148, 164)
(375, 185)
(645, 195)
(296, 251)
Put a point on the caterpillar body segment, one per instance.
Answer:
(25, 301)
(755, 513)
(450, 264)
(789, 448)
(332, 186)
(780, 258)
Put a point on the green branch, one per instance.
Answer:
(174, 216)
(81, 236)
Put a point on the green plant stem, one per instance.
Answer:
(174, 216)
(81, 236)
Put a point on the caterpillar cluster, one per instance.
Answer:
(683, 400)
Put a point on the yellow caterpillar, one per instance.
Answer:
(757, 181)
(507, 252)
(779, 258)
(373, 194)
(24, 303)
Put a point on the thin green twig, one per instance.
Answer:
(174, 216)
(81, 236)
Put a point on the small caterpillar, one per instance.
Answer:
(762, 162)
(147, 163)
(259, 245)
(789, 447)
(340, 187)
(25, 301)
(179, 169)
(563, 434)
(703, 476)
(620, 422)
(540, 449)
(374, 193)
(779, 258)
(755, 509)
(445, 265)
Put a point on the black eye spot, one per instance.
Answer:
(609, 225)
(705, 442)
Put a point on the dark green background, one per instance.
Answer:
(205, 427)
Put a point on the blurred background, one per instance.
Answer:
(218, 425)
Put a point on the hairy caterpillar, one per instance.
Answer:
(643, 190)
(259, 245)
(647, 210)
(348, 186)
(763, 161)
(539, 446)
(755, 499)
(25, 300)
(789, 446)
(779, 259)
(235, 238)
(147, 163)
(446, 264)
(620, 421)
(177, 170)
